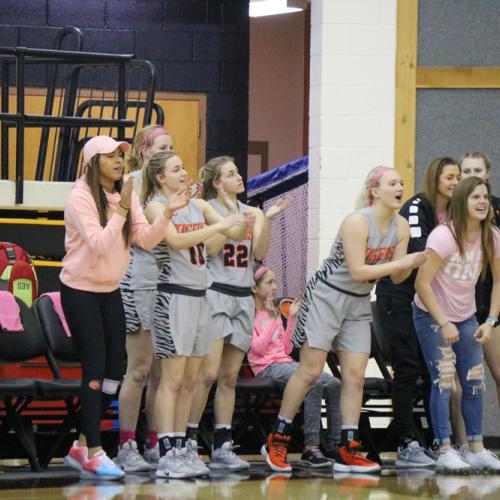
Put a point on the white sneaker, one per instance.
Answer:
(484, 460)
(129, 458)
(172, 466)
(193, 459)
(225, 458)
(449, 461)
(152, 455)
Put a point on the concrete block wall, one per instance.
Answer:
(352, 104)
(196, 46)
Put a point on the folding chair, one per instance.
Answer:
(61, 350)
(17, 394)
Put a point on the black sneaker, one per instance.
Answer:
(330, 453)
(433, 450)
(315, 459)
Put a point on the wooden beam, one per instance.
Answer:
(406, 64)
(455, 77)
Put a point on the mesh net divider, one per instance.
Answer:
(287, 254)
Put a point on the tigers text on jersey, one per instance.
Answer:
(186, 267)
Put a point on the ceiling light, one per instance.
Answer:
(259, 8)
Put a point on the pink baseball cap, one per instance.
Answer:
(102, 144)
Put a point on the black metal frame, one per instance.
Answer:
(296, 181)
(69, 123)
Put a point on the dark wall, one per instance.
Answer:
(196, 46)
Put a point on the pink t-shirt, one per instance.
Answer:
(454, 283)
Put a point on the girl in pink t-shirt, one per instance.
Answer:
(446, 326)
(269, 356)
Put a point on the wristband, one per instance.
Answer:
(444, 324)
(124, 208)
(491, 320)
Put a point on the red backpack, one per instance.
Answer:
(17, 273)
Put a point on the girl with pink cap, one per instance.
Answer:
(103, 217)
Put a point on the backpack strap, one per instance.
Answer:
(11, 255)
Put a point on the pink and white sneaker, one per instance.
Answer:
(76, 456)
(100, 466)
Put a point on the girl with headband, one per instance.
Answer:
(335, 313)
(232, 305)
(181, 327)
(137, 290)
(424, 211)
(269, 356)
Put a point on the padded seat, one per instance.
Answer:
(18, 387)
(377, 386)
(256, 385)
(58, 388)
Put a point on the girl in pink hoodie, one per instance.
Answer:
(103, 217)
(269, 356)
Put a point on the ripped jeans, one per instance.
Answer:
(464, 357)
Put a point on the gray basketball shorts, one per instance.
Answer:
(181, 326)
(332, 320)
(232, 318)
(138, 308)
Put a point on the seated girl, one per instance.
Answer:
(269, 356)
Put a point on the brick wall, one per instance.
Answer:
(196, 46)
(352, 100)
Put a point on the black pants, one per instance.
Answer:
(97, 325)
(396, 320)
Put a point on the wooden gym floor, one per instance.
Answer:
(59, 481)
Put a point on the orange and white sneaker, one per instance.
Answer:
(275, 452)
(350, 459)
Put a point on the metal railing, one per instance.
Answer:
(70, 120)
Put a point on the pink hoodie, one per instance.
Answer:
(97, 258)
(271, 342)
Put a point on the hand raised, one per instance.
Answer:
(278, 207)
(126, 193)
(294, 308)
(249, 217)
(195, 189)
(233, 220)
(179, 199)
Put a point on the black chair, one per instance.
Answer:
(17, 394)
(259, 401)
(61, 349)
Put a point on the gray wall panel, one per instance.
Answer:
(459, 33)
(451, 122)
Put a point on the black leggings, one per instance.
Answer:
(396, 320)
(97, 324)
